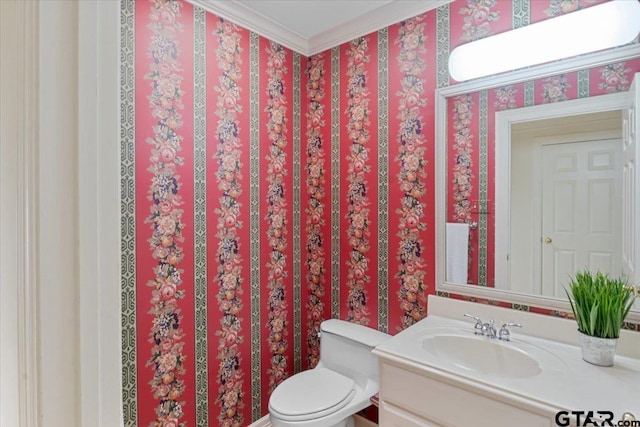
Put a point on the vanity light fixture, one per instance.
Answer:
(595, 28)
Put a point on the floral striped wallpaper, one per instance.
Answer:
(167, 194)
(358, 151)
(227, 212)
(410, 165)
(263, 192)
(316, 235)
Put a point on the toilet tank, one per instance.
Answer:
(345, 347)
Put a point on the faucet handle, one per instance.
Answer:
(489, 330)
(505, 334)
(478, 326)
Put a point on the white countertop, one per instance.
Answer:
(566, 381)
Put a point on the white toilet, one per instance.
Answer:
(341, 385)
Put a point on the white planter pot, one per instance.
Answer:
(598, 351)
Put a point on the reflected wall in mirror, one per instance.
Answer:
(471, 180)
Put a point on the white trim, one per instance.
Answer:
(371, 21)
(87, 212)
(631, 141)
(537, 217)
(98, 214)
(58, 290)
(504, 120)
(20, 92)
(254, 21)
(31, 280)
(502, 202)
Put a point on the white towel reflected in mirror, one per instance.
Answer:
(457, 252)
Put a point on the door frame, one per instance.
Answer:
(62, 374)
(20, 396)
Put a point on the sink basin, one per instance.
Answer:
(483, 355)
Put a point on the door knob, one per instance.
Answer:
(547, 240)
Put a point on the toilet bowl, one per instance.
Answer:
(342, 384)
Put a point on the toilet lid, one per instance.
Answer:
(310, 394)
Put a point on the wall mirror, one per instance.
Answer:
(512, 255)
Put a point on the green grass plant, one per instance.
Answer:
(599, 303)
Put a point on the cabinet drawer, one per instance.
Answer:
(392, 416)
(448, 405)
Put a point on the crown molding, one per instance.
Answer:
(369, 22)
(254, 21)
(382, 17)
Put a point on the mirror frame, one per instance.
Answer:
(604, 102)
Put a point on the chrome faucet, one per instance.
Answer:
(505, 334)
(489, 330)
(478, 326)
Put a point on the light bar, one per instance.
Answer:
(599, 27)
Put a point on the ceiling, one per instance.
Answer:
(311, 26)
(309, 18)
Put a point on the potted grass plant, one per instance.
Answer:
(600, 304)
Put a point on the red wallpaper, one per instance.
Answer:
(276, 254)
(478, 19)
(613, 77)
(165, 208)
(358, 198)
(463, 173)
(491, 192)
(255, 332)
(164, 193)
(412, 66)
(541, 10)
(315, 195)
(227, 216)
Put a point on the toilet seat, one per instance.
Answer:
(311, 394)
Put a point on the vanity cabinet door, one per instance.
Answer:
(392, 416)
(404, 392)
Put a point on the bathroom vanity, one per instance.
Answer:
(439, 372)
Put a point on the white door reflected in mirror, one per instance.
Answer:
(581, 207)
(574, 182)
(563, 200)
